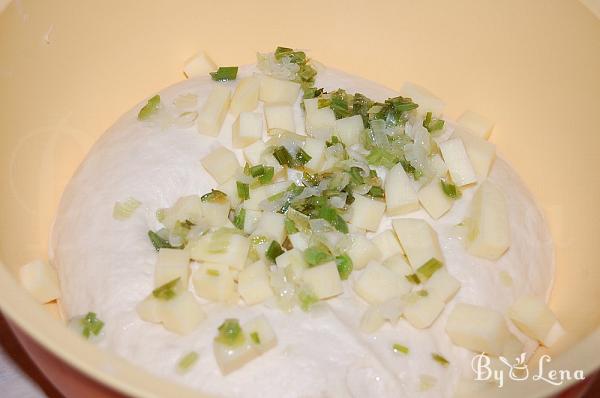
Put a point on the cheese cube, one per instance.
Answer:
(434, 200)
(533, 317)
(253, 283)
(458, 162)
(246, 129)
(253, 153)
(387, 243)
(442, 284)
(324, 280)
(213, 282)
(422, 311)
(315, 148)
(299, 240)
(482, 153)
(280, 116)
(320, 123)
(477, 328)
(221, 164)
(271, 225)
(210, 248)
(399, 265)
(476, 124)
(400, 197)
(427, 101)
(186, 208)
(251, 220)
(371, 320)
(199, 65)
(245, 97)
(362, 251)
(232, 358)
(211, 115)
(261, 335)
(487, 225)
(418, 239)
(216, 214)
(377, 284)
(182, 314)
(40, 280)
(171, 264)
(348, 129)
(229, 187)
(278, 91)
(366, 212)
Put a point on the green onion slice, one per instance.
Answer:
(150, 108)
(166, 291)
(91, 325)
(214, 196)
(344, 266)
(426, 270)
(274, 251)
(225, 73)
(187, 361)
(399, 348)
(440, 359)
(243, 190)
(230, 333)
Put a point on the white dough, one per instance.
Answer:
(107, 266)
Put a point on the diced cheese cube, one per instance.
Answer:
(427, 101)
(171, 264)
(476, 124)
(229, 187)
(320, 123)
(533, 317)
(392, 309)
(348, 129)
(253, 283)
(40, 280)
(437, 165)
(278, 91)
(261, 193)
(261, 334)
(149, 309)
(213, 282)
(280, 116)
(442, 284)
(387, 243)
(512, 348)
(186, 208)
(245, 97)
(422, 311)
(246, 129)
(232, 255)
(221, 164)
(324, 280)
(362, 251)
(487, 225)
(315, 148)
(293, 257)
(371, 320)
(251, 220)
(299, 240)
(232, 358)
(400, 197)
(418, 239)
(271, 225)
(216, 214)
(182, 314)
(434, 200)
(477, 328)
(199, 65)
(366, 212)
(311, 105)
(482, 153)
(377, 284)
(253, 153)
(399, 265)
(458, 162)
(211, 115)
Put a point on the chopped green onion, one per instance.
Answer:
(426, 270)
(376, 192)
(166, 291)
(213, 272)
(312, 92)
(230, 333)
(356, 175)
(255, 337)
(187, 361)
(225, 73)
(432, 124)
(283, 156)
(344, 266)
(423, 293)
(290, 226)
(257, 170)
(323, 103)
(214, 196)
(274, 251)
(315, 256)
(413, 278)
(240, 219)
(243, 190)
(91, 325)
(331, 215)
(124, 210)
(267, 176)
(450, 189)
(307, 299)
(399, 348)
(150, 108)
(302, 157)
(158, 242)
(440, 359)
(258, 240)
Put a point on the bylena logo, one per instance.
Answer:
(487, 370)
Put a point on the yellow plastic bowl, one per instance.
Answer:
(68, 69)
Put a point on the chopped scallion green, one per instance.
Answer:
(213, 272)
(376, 192)
(158, 242)
(307, 299)
(225, 73)
(187, 361)
(166, 291)
(230, 333)
(150, 108)
(290, 227)
(274, 251)
(426, 270)
(267, 176)
(399, 348)
(255, 337)
(413, 278)
(450, 189)
(258, 170)
(344, 266)
(283, 156)
(315, 256)
(302, 157)
(214, 196)
(440, 359)
(331, 215)
(240, 219)
(243, 190)
(91, 325)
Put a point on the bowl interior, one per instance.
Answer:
(68, 70)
